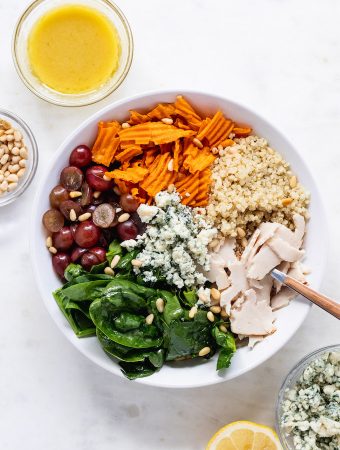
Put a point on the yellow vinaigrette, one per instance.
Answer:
(74, 49)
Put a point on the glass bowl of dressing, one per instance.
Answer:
(72, 53)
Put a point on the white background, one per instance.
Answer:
(279, 57)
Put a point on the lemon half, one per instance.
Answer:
(244, 435)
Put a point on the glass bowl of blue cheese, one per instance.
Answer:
(308, 408)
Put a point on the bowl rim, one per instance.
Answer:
(164, 92)
(33, 154)
(291, 379)
(67, 97)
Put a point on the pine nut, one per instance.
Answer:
(293, 182)
(3, 138)
(203, 297)
(115, 261)
(193, 312)
(7, 173)
(109, 271)
(23, 153)
(224, 314)
(214, 150)
(2, 152)
(160, 305)
(136, 263)
(84, 217)
(10, 145)
(96, 194)
(125, 125)
(22, 163)
(14, 168)
(210, 316)
(15, 159)
(21, 172)
(149, 319)
(124, 217)
(215, 309)
(53, 250)
(15, 151)
(171, 188)
(73, 215)
(215, 294)
(116, 190)
(10, 138)
(287, 201)
(204, 351)
(75, 194)
(167, 121)
(106, 178)
(9, 131)
(4, 186)
(223, 328)
(18, 144)
(12, 178)
(171, 165)
(118, 210)
(4, 159)
(49, 242)
(12, 186)
(17, 135)
(241, 233)
(1, 178)
(244, 242)
(197, 142)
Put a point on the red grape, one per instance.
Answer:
(88, 260)
(58, 195)
(53, 220)
(73, 228)
(81, 156)
(94, 177)
(87, 234)
(86, 194)
(77, 253)
(71, 178)
(63, 239)
(65, 208)
(128, 203)
(100, 252)
(60, 261)
(104, 215)
(127, 230)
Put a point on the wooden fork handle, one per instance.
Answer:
(321, 300)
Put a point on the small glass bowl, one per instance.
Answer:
(32, 160)
(289, 383)
(22, 65)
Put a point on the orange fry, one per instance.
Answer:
(156, 132)
(129, 153)
(106, 143)
(162, 111)
(132, 174)
(217, 130)
(185, 110)
(242, 131)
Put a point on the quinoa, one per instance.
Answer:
(251, 184)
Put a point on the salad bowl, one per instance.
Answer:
(183, 374)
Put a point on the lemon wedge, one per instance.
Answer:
(243, 435)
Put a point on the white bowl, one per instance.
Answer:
(193, 373)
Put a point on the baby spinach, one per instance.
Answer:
(227, 345)
(172, 309)
(114, 249)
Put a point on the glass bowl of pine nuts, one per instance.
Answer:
(18, 157)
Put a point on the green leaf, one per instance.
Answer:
(127, 321)
(72, 271)
(114, 249)
(189, 298)
(157, 358)
(103, 313)
(98, 268)
(80, 292)
(227, 345)
(186, 339)
(137, 370)
(125, 261)
(172, 310)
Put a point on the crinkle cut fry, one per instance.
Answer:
(160, 178)
(242, 131)
(176, 152)
(106, 143)
(185, 110)
(216, 130)
(131, 174)
(162, 111)
(129, 153)
(156, 132)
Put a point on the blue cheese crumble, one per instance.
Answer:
(174, 246)
(311, 410)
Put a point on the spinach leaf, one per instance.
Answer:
(125, 261)
(186, 339)
(77, 317)
(72, 271)
(80, 292)
(98, 268)
(143, 291)
(189, 298)
(137, 370)
(127, 321)
(103, 313)
(172, 309)
(114, 249)
(228, 347)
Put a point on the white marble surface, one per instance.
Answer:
(281, 58)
